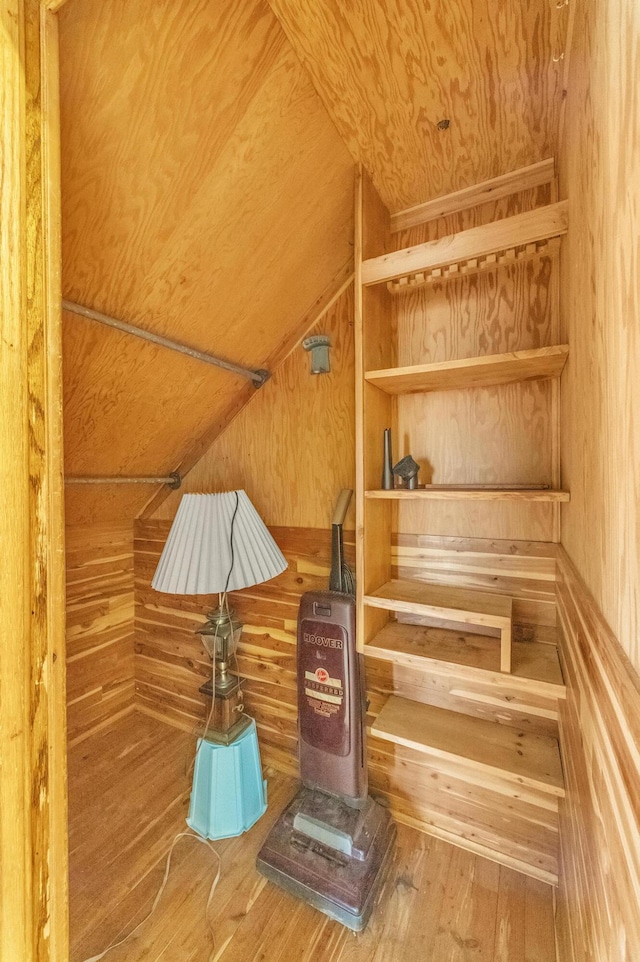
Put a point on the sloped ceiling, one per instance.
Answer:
(207, 155)
(207, 197)
(389, 71)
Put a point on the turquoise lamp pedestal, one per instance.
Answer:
(228, 795)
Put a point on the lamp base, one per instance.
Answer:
(226, 722)
(228, 794)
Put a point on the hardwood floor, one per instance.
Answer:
(128, 797)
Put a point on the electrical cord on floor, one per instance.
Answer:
(198, 838)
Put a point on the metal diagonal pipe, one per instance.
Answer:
(258, 377)
(172, 480)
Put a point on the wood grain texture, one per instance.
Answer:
(513, 182)
(600, 296)
(460, 671)
(479, 435)
(117, 863)
(523, 570)
(524, 759)
(171, 665)
(389, 72)
(214, 211)
(300, 427)
(599, 737)
(518, 231)
(538, 364)
(100, 626)
(490, 434)
(33, 887)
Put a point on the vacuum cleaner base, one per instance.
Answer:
(329, 854)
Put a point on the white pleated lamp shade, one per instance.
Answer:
(217, 543)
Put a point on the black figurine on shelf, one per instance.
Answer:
(407, 470)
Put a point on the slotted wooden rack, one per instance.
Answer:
(474, 265)
(532, 234)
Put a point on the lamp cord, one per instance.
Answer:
(233, 521)
(198, 838)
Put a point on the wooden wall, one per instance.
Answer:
(171, 662)
(100, 624)
(599, 891)
(600, 299)
(598, 589)
(292, 447)
(481, 435)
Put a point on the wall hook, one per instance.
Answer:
(319, 345)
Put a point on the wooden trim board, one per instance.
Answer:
(33, 822)
(524, 178)
(452, 492)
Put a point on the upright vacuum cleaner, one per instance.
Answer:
(333, 842)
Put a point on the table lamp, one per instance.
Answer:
(219, 543)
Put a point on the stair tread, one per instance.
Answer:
(521, 756)
(531, 661)
(467, 604)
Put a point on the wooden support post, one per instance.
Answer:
(33, 878)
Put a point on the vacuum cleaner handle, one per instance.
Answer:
(342, 506)
(336, 578)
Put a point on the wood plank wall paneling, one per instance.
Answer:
(599, 892)
(171, 662)
(292, 449)
(511, 429)
(171, 665)
(100, 625)
(600, 297)
(524, 570)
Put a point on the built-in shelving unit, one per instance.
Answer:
(448, 681)
(538, 364)
(535, 665)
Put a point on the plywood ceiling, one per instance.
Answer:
(206, 196)
(207, 156)
(389, 71)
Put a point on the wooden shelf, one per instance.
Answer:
(450, 605)
(538, 364)
(495, 750)
(524, 236)
(535, 665)
(452, 492)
